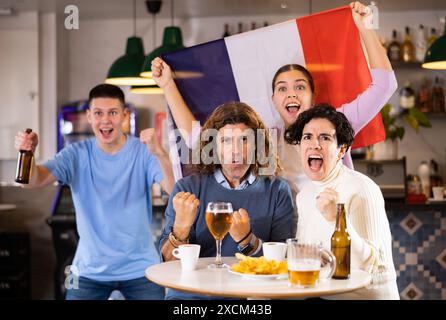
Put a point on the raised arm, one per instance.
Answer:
(40, 176)
(375, 51)
(148, 137)
(181, 113)
(367, 105)
(180, 217)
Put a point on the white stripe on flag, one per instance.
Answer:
(173, 148)
(255, 57)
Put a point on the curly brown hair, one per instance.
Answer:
(236, 113)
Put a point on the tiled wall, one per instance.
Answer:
(419, 250)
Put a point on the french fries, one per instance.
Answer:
(248, 265)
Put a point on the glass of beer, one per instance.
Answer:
(305, 261)
(219, 220)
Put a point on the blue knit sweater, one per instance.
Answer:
(267, 201)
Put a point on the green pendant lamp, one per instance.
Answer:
(125, 70)
(436, 54)
(146, 90)
(172, 41)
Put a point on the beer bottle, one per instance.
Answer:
(340, 245)
(24, 163)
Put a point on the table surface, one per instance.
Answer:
(220, 282)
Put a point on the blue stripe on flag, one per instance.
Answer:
(204, 77)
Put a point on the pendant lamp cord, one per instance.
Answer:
(134, 18)
(154, 30)
(171, 12)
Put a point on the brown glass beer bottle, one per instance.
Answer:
(340, 245)
(24, 163)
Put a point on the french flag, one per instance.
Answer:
(241, 67)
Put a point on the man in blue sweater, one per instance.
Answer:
(263, 209)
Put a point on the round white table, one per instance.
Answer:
(220, 282)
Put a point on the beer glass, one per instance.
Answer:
(304, 263)
(219, 220)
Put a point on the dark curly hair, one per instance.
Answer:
(344, 131)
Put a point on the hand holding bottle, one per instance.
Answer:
(26, 141)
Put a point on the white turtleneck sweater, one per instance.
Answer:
(367, 224)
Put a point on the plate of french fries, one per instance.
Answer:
(259, 268)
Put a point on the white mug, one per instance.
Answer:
(438, 193)
(274, 250)
(188, 254)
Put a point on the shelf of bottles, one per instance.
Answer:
(240, 27)
(411, 51)
(409, 55)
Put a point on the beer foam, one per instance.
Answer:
(220, 211)
(304, 265)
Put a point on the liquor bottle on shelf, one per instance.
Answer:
(420, 44)
(240, 27)
(407, 96)
(393, 49)
(424, 174)
(407, 53)
(435, 178)
(432, 37)
(265, 24)
(226, 33)
(438, 97)
(253, 26)
(424, 97)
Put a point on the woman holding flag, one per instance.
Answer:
(294, 92)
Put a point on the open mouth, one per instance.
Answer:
(236, 161)
(292, 108)
(315, 162)
(106, 133)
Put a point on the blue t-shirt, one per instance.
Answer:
(112, 198)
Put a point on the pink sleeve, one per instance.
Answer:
(367, 105)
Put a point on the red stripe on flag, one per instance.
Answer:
(334, 56)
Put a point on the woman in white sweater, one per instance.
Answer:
(324, 136)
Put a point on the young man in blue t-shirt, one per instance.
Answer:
(110, 177)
